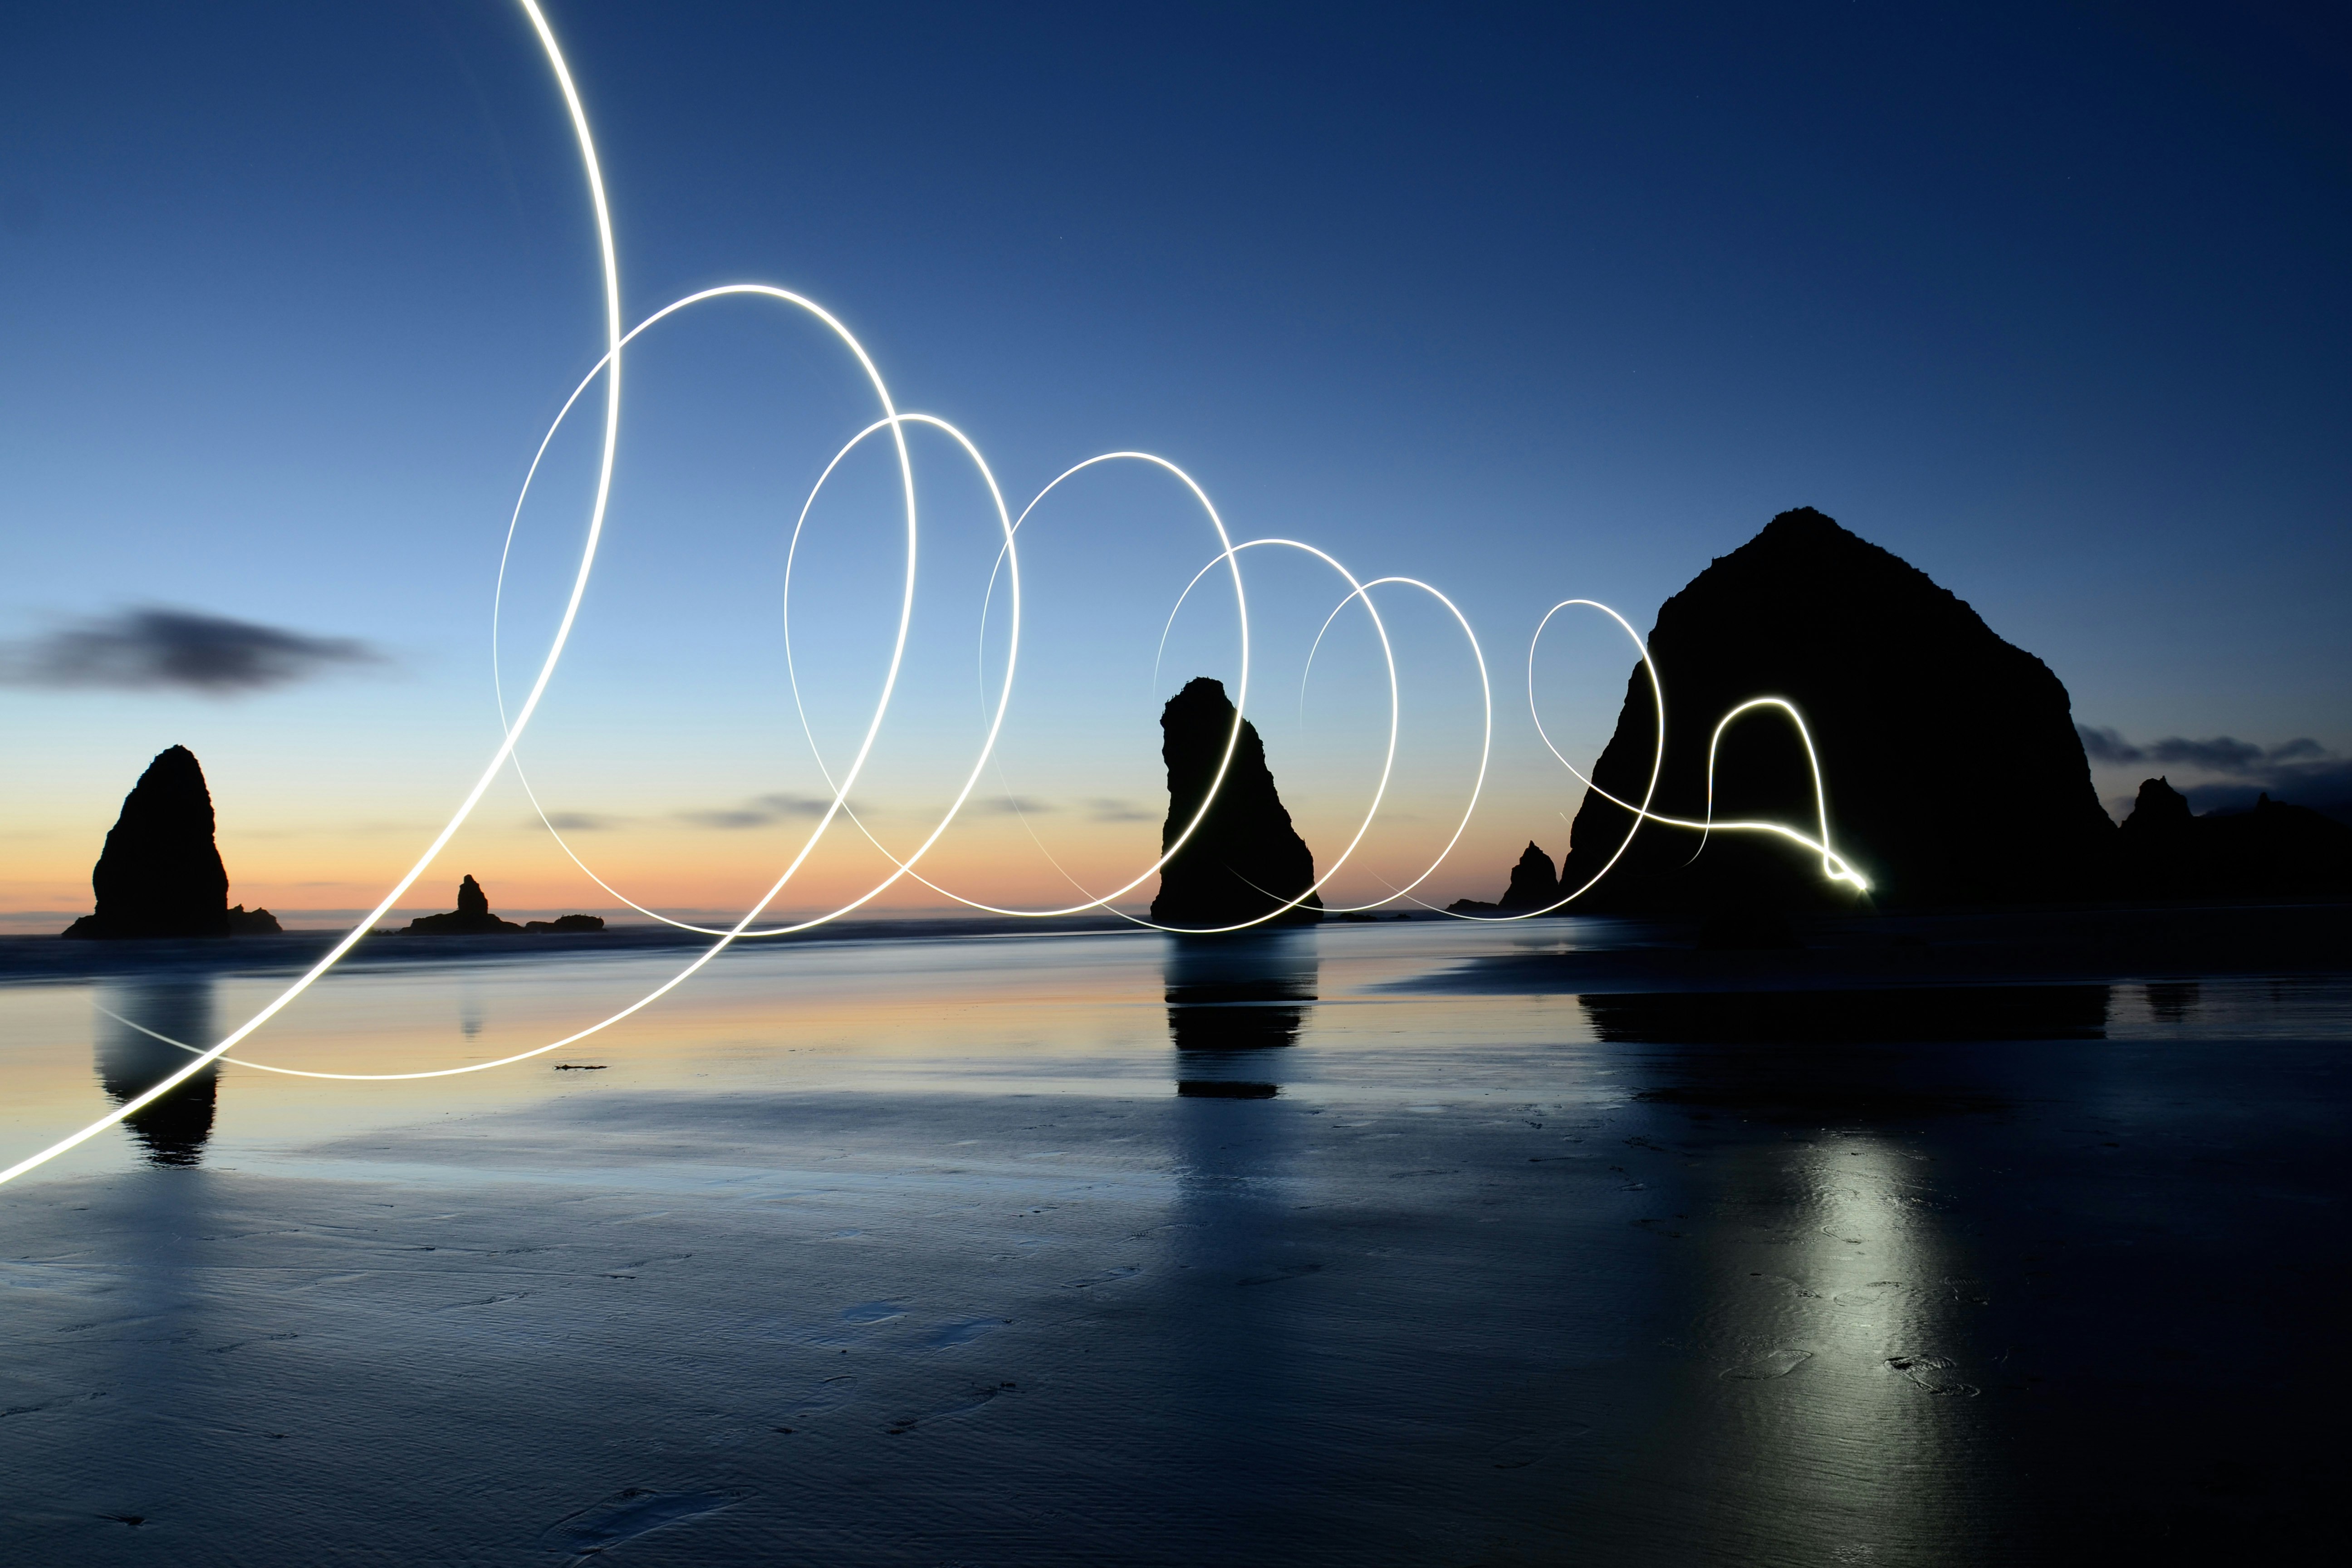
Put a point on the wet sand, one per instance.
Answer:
(1413, 1245)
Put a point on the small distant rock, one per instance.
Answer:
(562, 923)
(1535, 885)
(243, 921)
(2166, 852)
(472, 916)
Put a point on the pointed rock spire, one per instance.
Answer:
(160, 873)
(1246, 858)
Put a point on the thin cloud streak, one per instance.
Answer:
(759, 811)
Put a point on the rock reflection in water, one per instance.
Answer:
(174, 1128)
(1232, 996)
(2173, 1001)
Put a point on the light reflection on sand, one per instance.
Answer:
(1285, 1251)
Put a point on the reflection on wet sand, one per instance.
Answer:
(1838, 1313)
(1908, 1014)
(2173, 1000)
(1831, 1346)
(1234, 1005)
(1379, 1278)
(173, 1130)
(1231, 997)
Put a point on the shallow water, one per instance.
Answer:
(1370, 1244)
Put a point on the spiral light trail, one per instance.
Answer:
(609, 369)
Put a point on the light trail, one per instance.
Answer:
(609, 368)
(612, 278)
(1833, 866)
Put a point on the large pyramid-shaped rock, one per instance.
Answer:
(1246, 858)
(1953, 769)
(160, 873)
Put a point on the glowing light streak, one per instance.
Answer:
(1232, 735)
(1485, 742)
(1833, 865)
(506, 746)
(1008, 564)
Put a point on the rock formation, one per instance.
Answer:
(2276, 849)
(243, 921)
(1534, 886)
(1952, 767)
(562, 925)
(472, 916)
(160, 873)
(1246, 858)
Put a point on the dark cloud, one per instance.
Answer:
(728, 819)
(2302, 770)
(795, 804)
(1109, 810)
(2222, 754)
(156, 649)
(2108, 745)
(1008, 806)
(759, 811)
(578, 822)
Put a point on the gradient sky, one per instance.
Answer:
(1531, 302)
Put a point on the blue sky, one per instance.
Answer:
(1531, 302)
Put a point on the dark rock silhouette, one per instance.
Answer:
(243, 921)
(1534, 886)
(2165, 852)
(1952, 767)
(160, 873)
(562, 924)
(1246, 858)
(472, 916)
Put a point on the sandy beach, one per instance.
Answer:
(1358, 1245)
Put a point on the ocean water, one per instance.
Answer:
(1962, 1241)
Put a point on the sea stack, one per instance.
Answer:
(160, 873)
(1949, 758)
(472, 916)
(1246, 858)
(1535, 885)
(2275, 849)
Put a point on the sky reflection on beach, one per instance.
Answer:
(1101, 1248)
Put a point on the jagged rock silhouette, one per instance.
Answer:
(472, 916)
(1534, 886)
(2166, 852)
(1246, 858)
(160, 873)
(566, 924)
(1953, 770)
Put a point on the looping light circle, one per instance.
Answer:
(609, 369)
